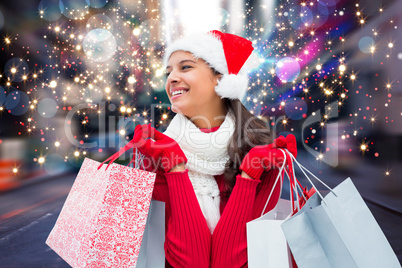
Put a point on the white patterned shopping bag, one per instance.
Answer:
(103, 218)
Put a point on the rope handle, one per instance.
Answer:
(116, 155)
(276, 181)
(295, 185)
(304, 170)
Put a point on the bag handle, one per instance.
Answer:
(292, 180)
(303, 169)
(294, 184)
(116, 155)
(276, 181)
(138, 160)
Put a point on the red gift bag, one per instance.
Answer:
(103, 218)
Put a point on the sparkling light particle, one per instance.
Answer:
(57, 144)
(13, 70)
(342, 68)
(53, 84)
(136, 32)
(159, 72)
(76, 153)
(15, 170)
(363, 147)
(131, 80)
(41, 160)
(320, 156)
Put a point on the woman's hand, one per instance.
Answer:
(265, 157)
(163, 151)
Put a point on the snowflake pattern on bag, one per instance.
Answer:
(103, 218)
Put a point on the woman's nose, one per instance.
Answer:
(173, 77)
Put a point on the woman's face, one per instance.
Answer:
(190, 85)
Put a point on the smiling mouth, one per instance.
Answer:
(177, 93)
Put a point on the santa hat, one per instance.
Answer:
(229, 54)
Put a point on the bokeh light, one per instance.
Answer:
(287, 69)
(99, 45)
(365, 44)
(16, 68)
(17, 102)
(54, 164)
(73, 9)
(49, 10)
(97, 3)
(47, 108)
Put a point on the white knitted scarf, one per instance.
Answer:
(206, 157)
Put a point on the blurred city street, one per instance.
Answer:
(27, 216)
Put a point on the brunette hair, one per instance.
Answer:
(249, 131)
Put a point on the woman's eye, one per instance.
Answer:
(167, 74)
(184, 67)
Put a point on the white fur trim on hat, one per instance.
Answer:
(232, 86)
(204, 46)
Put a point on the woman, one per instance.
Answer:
(216, 162)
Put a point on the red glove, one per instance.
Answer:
(265, 157)
(161, 150)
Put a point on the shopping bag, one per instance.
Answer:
(338, 230)
(152, 253)
(266, 243)
(103, 218)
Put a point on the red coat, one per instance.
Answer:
(188, 241)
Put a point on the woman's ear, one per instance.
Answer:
(217, 78)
